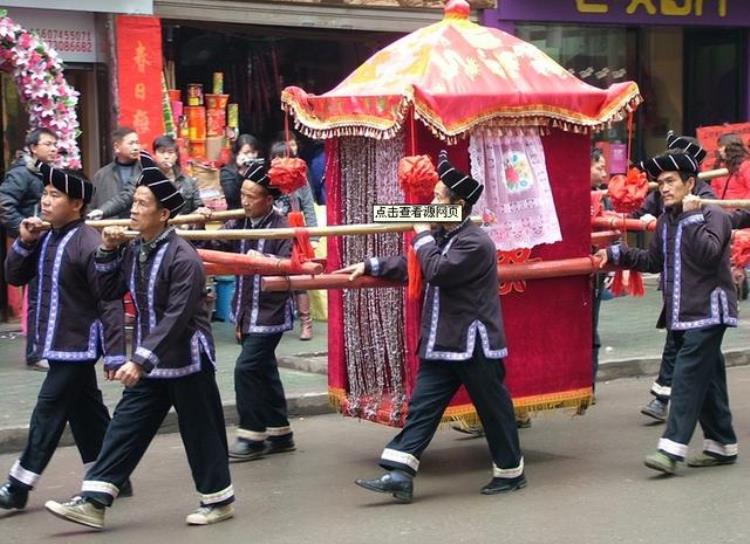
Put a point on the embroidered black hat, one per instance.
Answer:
(462, 184)
(671, 161)
(688, 144)
(257, 173)
(69, 184)
(163, 188)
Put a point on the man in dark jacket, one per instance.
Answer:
(173, 361)
(22, 187)
(691, 249)
(73, 325)
(115, 182)
(261, 319)
(653, 207)
(461, 342)
(19, 198)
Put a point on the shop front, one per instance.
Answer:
(225, 63)
(77, 32)
(261, 47)
(689, 57)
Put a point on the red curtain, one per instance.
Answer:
(548, 326)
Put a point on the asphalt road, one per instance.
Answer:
(587, 484)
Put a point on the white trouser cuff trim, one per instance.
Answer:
(725, 450)
(661, 390)
(219, 496)
(673, 447)
(507, 472)
(278, 431)
(255, 436)
(107, 488)
(22, 475)
(396, 456)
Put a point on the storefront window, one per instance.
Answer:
(600, 56)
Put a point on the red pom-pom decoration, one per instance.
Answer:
(741, 248)
(288, 174)
(417, 177)
(627, 193)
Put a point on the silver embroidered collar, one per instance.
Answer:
(148, 247)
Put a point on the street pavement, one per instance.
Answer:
(587, 485)
(631, 346)
(20, 386)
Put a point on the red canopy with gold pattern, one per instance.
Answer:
(457, 75)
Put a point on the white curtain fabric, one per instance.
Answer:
(517, 194)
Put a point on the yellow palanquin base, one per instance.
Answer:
(575, 400)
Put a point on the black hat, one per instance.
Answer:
(257, 173)
(462, 184)
(164, 190)
(69, 184)
(689, 145)
(671, 161)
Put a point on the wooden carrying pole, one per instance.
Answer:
(186, 219)
(579, 266)
(243, 265)
(741, 204)
(620, 223)
(361, 229)
(711, 174)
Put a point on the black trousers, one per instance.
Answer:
(699, 395)
(662, 387)
(437, 382)
(261, 402)
(33, 350)
(136, 420)
(69, 394)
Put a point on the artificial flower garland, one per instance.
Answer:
(50, 100)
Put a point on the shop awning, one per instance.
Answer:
(298, 15)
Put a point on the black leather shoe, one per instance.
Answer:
(656, 409)
(126, 490)
(242, 450)
(501, 485)
(400, 485)
(279, 446)
(12, 497)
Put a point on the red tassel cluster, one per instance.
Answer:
(627, 193)
(741, 248)
(288, 174)
(302, 250)
(417, 177)
(414, 288)
(628, 282)
(597, 208)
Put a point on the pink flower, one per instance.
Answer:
(25, 40)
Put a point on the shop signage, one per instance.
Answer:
(405, 4)
(99, 6)
(635, 12)
(72, 35)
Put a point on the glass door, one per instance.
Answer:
(715, 77)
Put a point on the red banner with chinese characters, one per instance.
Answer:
(709, 136)
(139, 67)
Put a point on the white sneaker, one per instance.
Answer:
(206, 515)
(78, 510)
